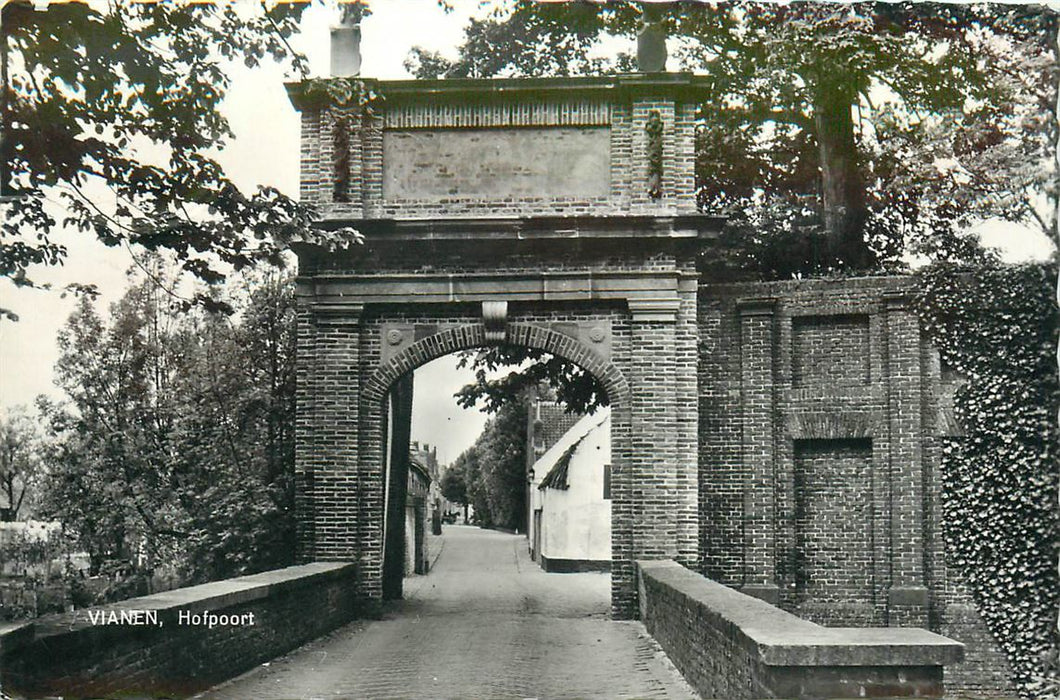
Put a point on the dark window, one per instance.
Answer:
(607, 481)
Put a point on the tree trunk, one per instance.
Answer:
(842, 188)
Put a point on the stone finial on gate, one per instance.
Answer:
(346, 42)
(495, 319)
(651, 41)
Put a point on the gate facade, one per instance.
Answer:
(556, 214)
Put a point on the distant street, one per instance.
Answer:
(485, 623)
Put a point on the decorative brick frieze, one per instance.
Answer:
(504, 114)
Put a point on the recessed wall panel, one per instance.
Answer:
(435, 164)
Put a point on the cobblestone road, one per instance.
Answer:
(485, 623)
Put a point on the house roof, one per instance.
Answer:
(416, 463)
(557, 475)
(558, 458)
(549, 422)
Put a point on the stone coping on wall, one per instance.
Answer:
(215, 596)
(894, 286)
(779, 638)
(313, 94)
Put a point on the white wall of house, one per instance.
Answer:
(576, 523)
(410, 540)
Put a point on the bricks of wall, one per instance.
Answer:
(175, 651)
(830, 349)
(404, 160)
(686, 359)
(833, 531)
(757, 419)
(332, 425)
(908, 596)
(653, 410)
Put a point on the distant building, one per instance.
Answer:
(570, 499)
(422, 501)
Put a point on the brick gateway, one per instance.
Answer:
(779, 438)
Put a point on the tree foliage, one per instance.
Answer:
(21, 466)
(494, 469)
(112, 123)
(997, 327)
(837, 135)
(574, 387)
(454, 485)
(175, 448)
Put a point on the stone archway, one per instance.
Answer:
(636, 333)
(456, 337)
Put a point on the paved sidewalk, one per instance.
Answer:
(486, 622)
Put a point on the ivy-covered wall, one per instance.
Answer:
(996, 330)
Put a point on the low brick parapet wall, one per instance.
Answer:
(178, 642)
(731, 645)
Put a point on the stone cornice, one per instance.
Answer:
(686, 86)
(327, 290)
(535, 227)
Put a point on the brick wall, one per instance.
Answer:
(821, 410)
(69, 655)
(471, 151)
(833, 533)
(730, 645)
(830, 349)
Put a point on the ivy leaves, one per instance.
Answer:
(997, 326)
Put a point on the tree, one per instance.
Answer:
(175, 447)
(789, 142)
(124, 99)
(21, 466)
(502, 464)
(468, 465)
(494, 469)
(454, 486)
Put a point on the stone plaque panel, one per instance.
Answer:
(497, 163)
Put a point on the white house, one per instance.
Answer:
(570, 499)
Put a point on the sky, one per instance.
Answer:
(265, 151)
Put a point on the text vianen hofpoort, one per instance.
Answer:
(138, 618)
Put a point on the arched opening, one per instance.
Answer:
(566, 472)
